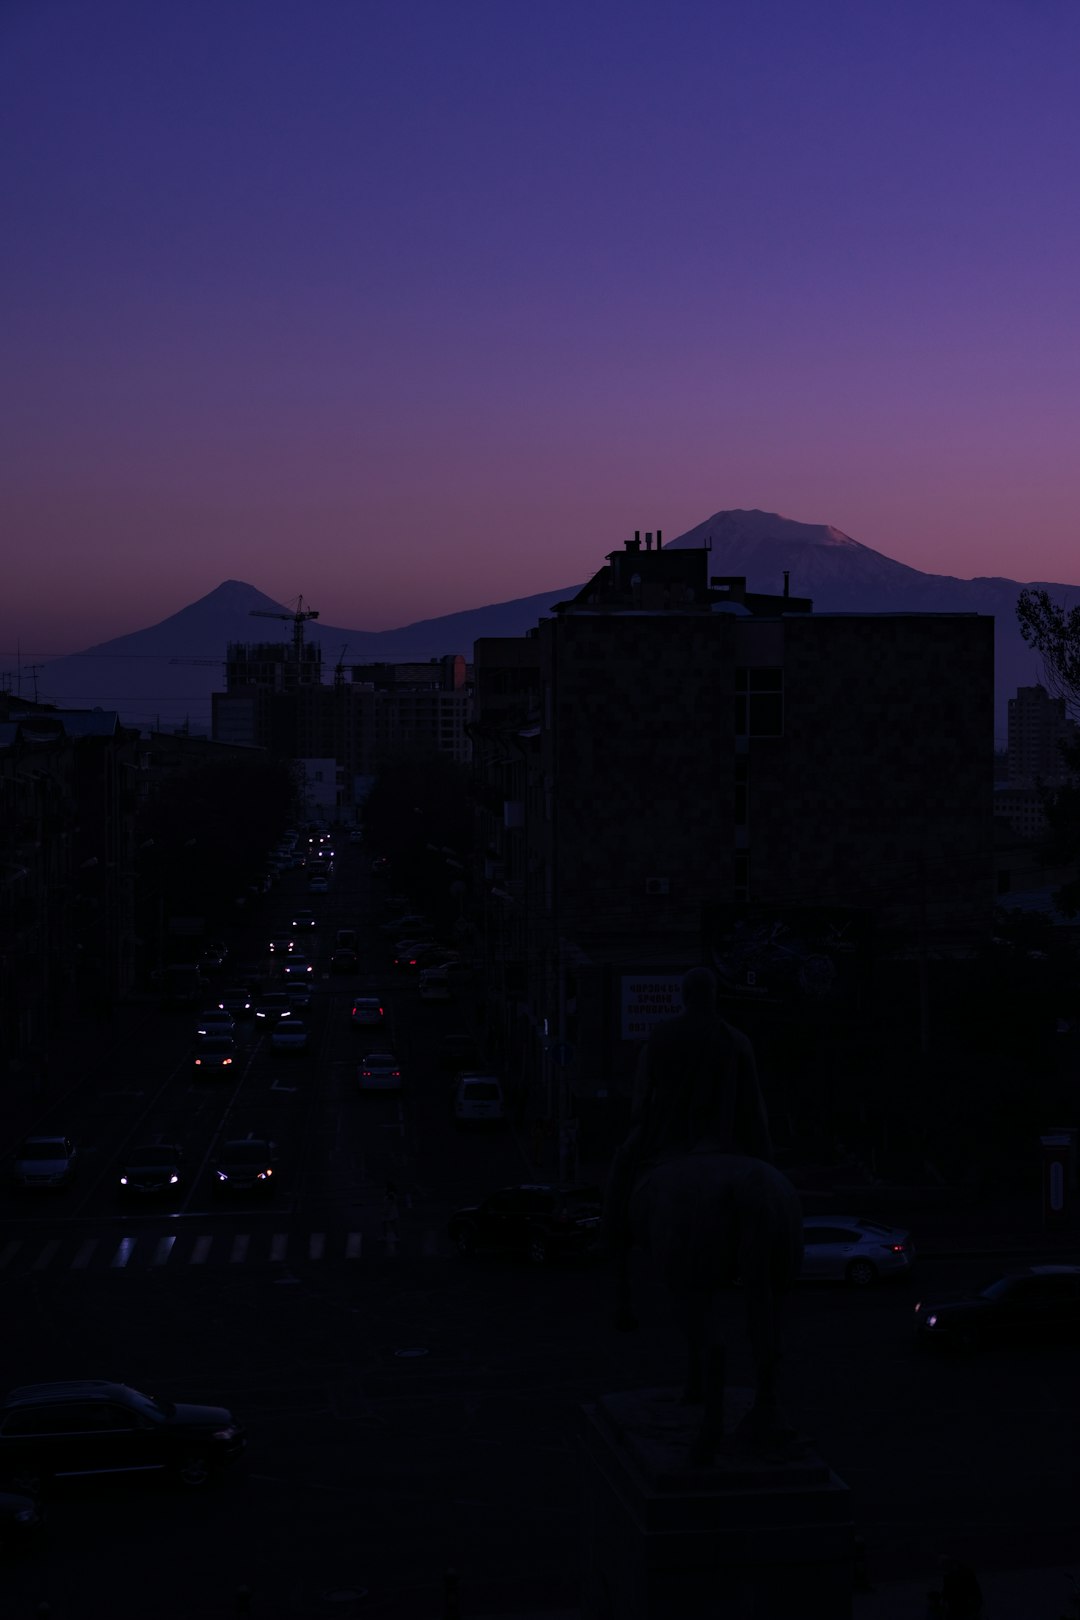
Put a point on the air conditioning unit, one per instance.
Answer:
(657, 886)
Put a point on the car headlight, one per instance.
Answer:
(123, 1181)
(931, 1321)
(173, 1180)
(222, 1176)
(226, 1434)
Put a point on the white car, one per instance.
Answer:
(379, 1071)
(216, 1021)
(478, 1100)
(290, 1035)
(44, 1161)
(845, 1248)
(434, 986)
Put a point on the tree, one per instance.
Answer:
(1054, 632)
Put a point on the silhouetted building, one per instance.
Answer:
(1038, 727)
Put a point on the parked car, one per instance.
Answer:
(90, 1427)
(343, 961)
(215, 1021)
(845, 1248)
(215, 1054)
(367, 1012)
(274, 1004)
(44, 1162)
(540, 1222)
(1039, 1305)
(20, 1520)
(151, 1170)
(290, 1035)
(379, 1071)
(246, 1164)
(238, 1001)
(478, 1100)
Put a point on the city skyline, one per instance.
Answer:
(413, 309)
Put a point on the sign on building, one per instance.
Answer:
(647, 999)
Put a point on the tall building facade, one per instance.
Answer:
(1038, 727)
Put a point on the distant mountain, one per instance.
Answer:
(165, 674)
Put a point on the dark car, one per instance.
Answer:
(237, 1000)
(90, 1426)
(152, 1170)
(215, 1055)
(1040, 1305)
(344, 961)
(20, 1519)
(246, 1164)
(272, 1006)
(539, 1222)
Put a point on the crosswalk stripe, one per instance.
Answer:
(354, 1245)
(46, 1256)
(202, 1248)
(163, 1250)
(9, 1251)
(82, 1259)
(124, 1252)
(317, 1245)
(239, 1247)
(278, 1244)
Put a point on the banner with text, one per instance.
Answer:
(647, 999)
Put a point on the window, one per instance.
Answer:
(742, 778)
(759, 702)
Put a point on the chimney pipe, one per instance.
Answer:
(637, 536)
(648, 539)
(787, 575)
(659, 532)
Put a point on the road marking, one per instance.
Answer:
(82, 1259)
(354, 1245)
(124, 1252)
(317, 1245)
(46, 1255)
(163, 1250)
(278, 1244)
(239, 1247)
(202, 1248)
(9, 1251)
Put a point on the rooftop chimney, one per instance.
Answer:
(635, 543)
(787, 575)
(648, 539)
(659, 532)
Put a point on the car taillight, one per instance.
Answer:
(227, 1062)
(896, 1248)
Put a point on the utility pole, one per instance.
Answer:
(924, 989)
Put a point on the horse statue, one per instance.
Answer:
(711, 1220)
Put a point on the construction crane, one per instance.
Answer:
(339, 667)
(298, 618)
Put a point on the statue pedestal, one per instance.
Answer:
(762, 1533)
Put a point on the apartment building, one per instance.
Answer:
(1038, 727)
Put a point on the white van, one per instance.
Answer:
(478, 1100)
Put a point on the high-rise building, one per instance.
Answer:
(1038, 726)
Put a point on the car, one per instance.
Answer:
(846, 1248)
(452, 971)
(213, 955)
(367, 1010)
(215, 1021)
(1038, 1305)
(214, 1054)
(290, 1035)
(478, 1100)
(347, 939)
(298, 992)
(409, 954)
(246, 1164)
(459, 1051)
(91, 1427)
(238, 1001)
(282, 944)
(298, 967)
(380, 864)
(45, 1162)
(272, 1005)
(318, 885)
(152, 1170)
(356, 836)
(303, 919)
(344, 960)
(408, 926)
(433, 987)
(20, 1520)
(379, 1071)
(539, 1221)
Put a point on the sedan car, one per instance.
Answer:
(1040, 1305)
(216, 1021)
(272, 1006)
(282, 944)
(356, 836)
(290, 1035)
(410, 925)
(298, 992)
(380, 864)
(379, 1071)
(318, 885)
(298, 967)
(434, 987)
(215, 1055)
(303, 920)
(44, 1162)
(94, 1427)
(152, 1170)
(367, 1010)
(845, 1248)
(238, 1001)
(246, 1164)
(540, 1222)
(344, 960)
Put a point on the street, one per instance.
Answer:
(408, 1410)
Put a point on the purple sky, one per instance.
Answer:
(410, 305)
